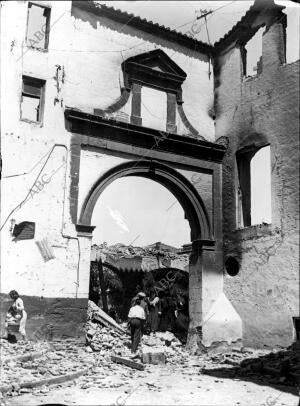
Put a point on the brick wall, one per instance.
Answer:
(263, 108)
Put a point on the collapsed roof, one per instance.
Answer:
(143, 259)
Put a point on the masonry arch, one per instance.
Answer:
(178, 185)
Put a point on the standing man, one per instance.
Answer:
(136, 320)
(145, 305)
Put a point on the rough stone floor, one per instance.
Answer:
(230, 378)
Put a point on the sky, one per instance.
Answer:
(181, 15)
(139, 211)
(136, 211)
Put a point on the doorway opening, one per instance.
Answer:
(131, 215)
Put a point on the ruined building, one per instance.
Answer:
(77, 75)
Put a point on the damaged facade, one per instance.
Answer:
(75, 121)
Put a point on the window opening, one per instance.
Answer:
(32, 99)
(154, 108)
(253, 54)
(38, 21)
(254, 190)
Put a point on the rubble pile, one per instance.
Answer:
(277, 367)
(118, 252)
(108, 340)
(102, 339)
(48, 360)
(103, 333)
(105, 338)
(175, 353)
(124, 250)
(282, 366)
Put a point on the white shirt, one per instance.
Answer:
(137, 312)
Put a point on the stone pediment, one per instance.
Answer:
(154, 68)
(156, 60)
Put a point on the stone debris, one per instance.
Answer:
(163, 343)
(97, 315)
(277, 367)
(154, 356)
(121, 250)
(17, 372)
(101, 339)
(128, 362)
(103, 344)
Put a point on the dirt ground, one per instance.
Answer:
(159, 386)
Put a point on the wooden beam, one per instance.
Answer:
(127, 362)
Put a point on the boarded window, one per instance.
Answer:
(38, 21)
(32, 102)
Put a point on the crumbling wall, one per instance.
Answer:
(263, 108)
(36, 166)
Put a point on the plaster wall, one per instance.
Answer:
(102, 77)
(82, 69)
(75, 77)
(26, 148)
(264, 108)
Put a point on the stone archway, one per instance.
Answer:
(191, 170)
(196, 214)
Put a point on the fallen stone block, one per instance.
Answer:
(155, 357)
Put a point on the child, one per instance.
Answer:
(136, 318)
(16, 315)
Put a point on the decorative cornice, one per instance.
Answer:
(101, 128)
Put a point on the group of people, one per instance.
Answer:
(158, 312)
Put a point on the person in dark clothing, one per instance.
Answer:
(155, 311)
(137, 319)
(167, 320)
(182, 321)
(171, 313)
